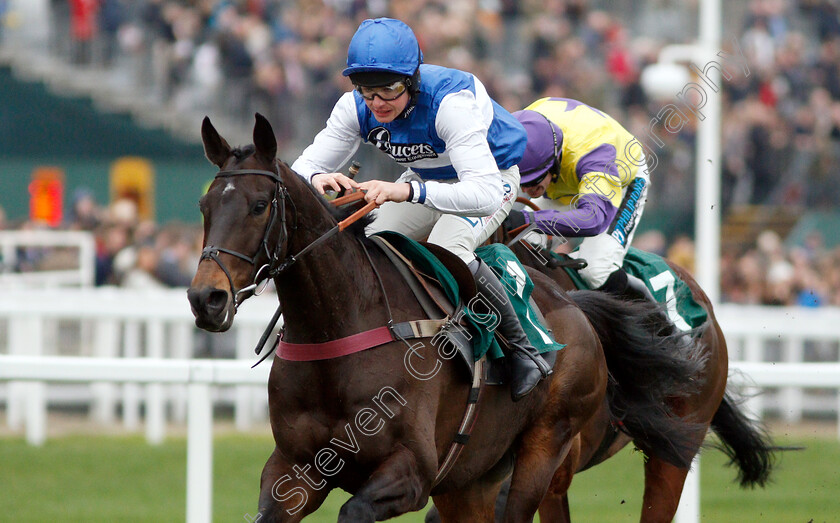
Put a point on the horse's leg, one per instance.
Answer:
(476, 504)
(397, 486)
(538, 456)
(555, 504)
(283, 498)
(663, 488)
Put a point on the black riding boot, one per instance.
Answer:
(526, 366)
(623, 285)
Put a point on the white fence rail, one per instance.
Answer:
(50, 249)
(785, 335)
(113, 323)
(197, 375)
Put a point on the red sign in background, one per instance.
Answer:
(46, 195)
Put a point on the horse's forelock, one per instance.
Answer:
(243, 152)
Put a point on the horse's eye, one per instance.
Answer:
(259, 207)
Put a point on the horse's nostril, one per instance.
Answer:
(208, 300)
(217, 300)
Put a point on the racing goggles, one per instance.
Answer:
(553, 171)
(387, 93)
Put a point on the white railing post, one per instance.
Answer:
(131, 391)
(17, 339)
(106, 342)
(689, 509)
(180, 347)
(791, 404)
(36, 413)
(199, 454)
(155, 401)
(754, 353)
(243, 407)
(34, 394)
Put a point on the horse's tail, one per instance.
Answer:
(646, 367)
(744, 443)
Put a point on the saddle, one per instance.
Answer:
(442, 284)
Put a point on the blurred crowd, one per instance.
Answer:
(283, 58)
(781, 128)
(767, 272)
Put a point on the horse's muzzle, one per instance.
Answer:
(213, 308)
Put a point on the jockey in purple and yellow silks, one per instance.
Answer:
(595, 172)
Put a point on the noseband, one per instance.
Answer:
(278, 208)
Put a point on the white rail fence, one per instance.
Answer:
(48, 256)
(784, 335)
(132, 324)
(112, 322)
(197, 375)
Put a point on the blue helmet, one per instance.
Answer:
(383, 45)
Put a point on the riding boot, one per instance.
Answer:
(525, 365)
(624, 285)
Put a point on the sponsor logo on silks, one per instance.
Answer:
(508, 192)
(400, 152)
(625, 222)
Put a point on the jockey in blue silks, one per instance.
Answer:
(460, 149)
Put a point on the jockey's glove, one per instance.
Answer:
(514, 219)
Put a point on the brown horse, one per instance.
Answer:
(746, 444)
(369, 422)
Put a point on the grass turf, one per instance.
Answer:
(121, 478)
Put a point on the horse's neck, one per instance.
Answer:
(331, 291)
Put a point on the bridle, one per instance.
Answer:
(273, 266)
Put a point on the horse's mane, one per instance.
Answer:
(356, 229)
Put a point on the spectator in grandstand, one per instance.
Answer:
(85, 214)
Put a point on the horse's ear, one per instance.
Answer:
(216, 148)
(264, 139)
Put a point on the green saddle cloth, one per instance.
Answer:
(663, 283)
(514, 279)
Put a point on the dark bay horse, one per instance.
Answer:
(377, 423)
(746, 444)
